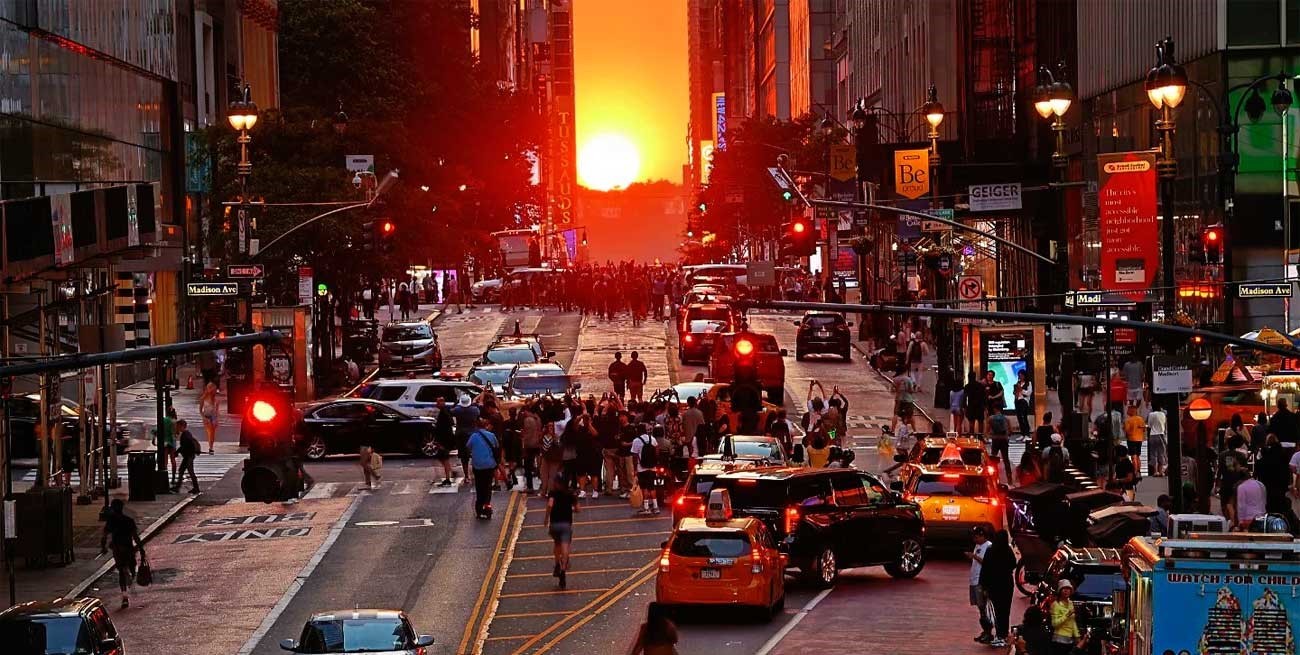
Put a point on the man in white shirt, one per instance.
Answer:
(977, 596)
(1157, 443)
(645, 465)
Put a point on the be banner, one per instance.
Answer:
(1126, 219)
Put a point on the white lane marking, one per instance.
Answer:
(303, 575)
(452, 489)
(785, 629)
(372, 524)
(322, 490)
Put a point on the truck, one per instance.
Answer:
(1210, 593)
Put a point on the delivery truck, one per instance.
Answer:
(1211, 594)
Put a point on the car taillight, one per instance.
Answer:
(791, 519)
(681, 500)
(991, 469)
(664, 561)
(688, 339)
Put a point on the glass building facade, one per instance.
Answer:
(87, 92)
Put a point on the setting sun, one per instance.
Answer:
(608, 161)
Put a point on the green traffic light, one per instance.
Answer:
(787, 195)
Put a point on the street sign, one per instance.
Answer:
(245, 270)
(1246, 290)
(944, 264)
(212, 288)
(1126, 336)
(936, 226)
(360, 163)
(826, 212)
(1170, 375)
(994, 197)
(778, 176)
(912, 172)
(304, 284)
(970, 287)
(844, 164)
(1066, 333)
(760, 274)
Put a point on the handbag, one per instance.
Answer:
(636, 497)
(143, 573)
(376, 462)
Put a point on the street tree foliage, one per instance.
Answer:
(415, 99)
(740, 171)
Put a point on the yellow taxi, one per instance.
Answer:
(930, 451)
(955, 496)
(721, 560)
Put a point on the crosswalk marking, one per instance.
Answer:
(208, 468)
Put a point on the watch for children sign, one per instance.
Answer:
(1126, 218)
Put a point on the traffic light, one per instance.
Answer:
(1212, 244)
(272, 472)
(368, 242)
(800, 238)
(704, 207)
(787, 195)
(386, 232)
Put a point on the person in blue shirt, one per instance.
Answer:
(484, 450)
(466, 414)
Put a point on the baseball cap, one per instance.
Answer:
(1057, 438)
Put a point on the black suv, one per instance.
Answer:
(823, 332)
(831, 519)
(61, 625)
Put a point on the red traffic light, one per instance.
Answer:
(798, 227)
(387, 227)
(744, 347)
(263, 411)
(1211, 235)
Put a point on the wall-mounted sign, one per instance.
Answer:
(936, 226)
(1248, 290)
(360, 163)
(1170, 375)
(912, 172)
(994, 197)
(720, 120)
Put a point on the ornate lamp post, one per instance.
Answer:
(242, 115)
(1166, 85)
(933, 111)
(1052, 99)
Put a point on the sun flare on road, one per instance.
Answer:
(608, 161)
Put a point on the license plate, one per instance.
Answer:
(710, 574)
(408, 359)
(951, 512)
(823, 333)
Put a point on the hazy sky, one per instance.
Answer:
(631, 78)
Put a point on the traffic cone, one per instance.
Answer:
(189, 382)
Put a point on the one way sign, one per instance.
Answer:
(245, 270)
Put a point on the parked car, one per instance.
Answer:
(534, 341)
(409, 346)
(418, 396)
(339, 426)
(385, 632)
(831, 519)
(823, 333)
(63, 625)
(25, 415)
(508, 353)
(491, 376)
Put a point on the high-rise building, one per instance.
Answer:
(707, 98)
(812, 57)
(772, 58)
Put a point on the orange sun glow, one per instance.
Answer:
(608, 161)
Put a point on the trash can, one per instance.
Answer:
(140, 467)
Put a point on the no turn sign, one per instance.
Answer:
(970, 287)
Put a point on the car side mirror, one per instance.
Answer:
(785, 353)
(290, 645)
(424, 641)
(896, 486)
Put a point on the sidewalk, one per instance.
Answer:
(76, 578)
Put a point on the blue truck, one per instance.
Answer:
(1211, 594)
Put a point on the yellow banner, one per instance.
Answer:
(844, 165)
(912, 172)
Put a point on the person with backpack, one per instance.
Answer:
(1000, 439)
(1055, 460)
(645, 452)
(484, 454)
(122, 535)
(189, 449)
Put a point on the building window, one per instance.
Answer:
(1249, 22)
(1292, 22)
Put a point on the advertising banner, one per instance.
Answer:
(1006, 354)
(1126, 218)
(912, 172)
(61, 220)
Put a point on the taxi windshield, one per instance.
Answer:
(953, 484)
(711, 544)
(354, 636)
(540, 384)
(765, 449)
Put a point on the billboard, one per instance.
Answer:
(1126, 220)
(1007, 353)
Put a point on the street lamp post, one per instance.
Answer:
(243, 116)
(932, 110)
(1052, 98)
(1166, 84)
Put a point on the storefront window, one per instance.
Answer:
(1254, 22)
